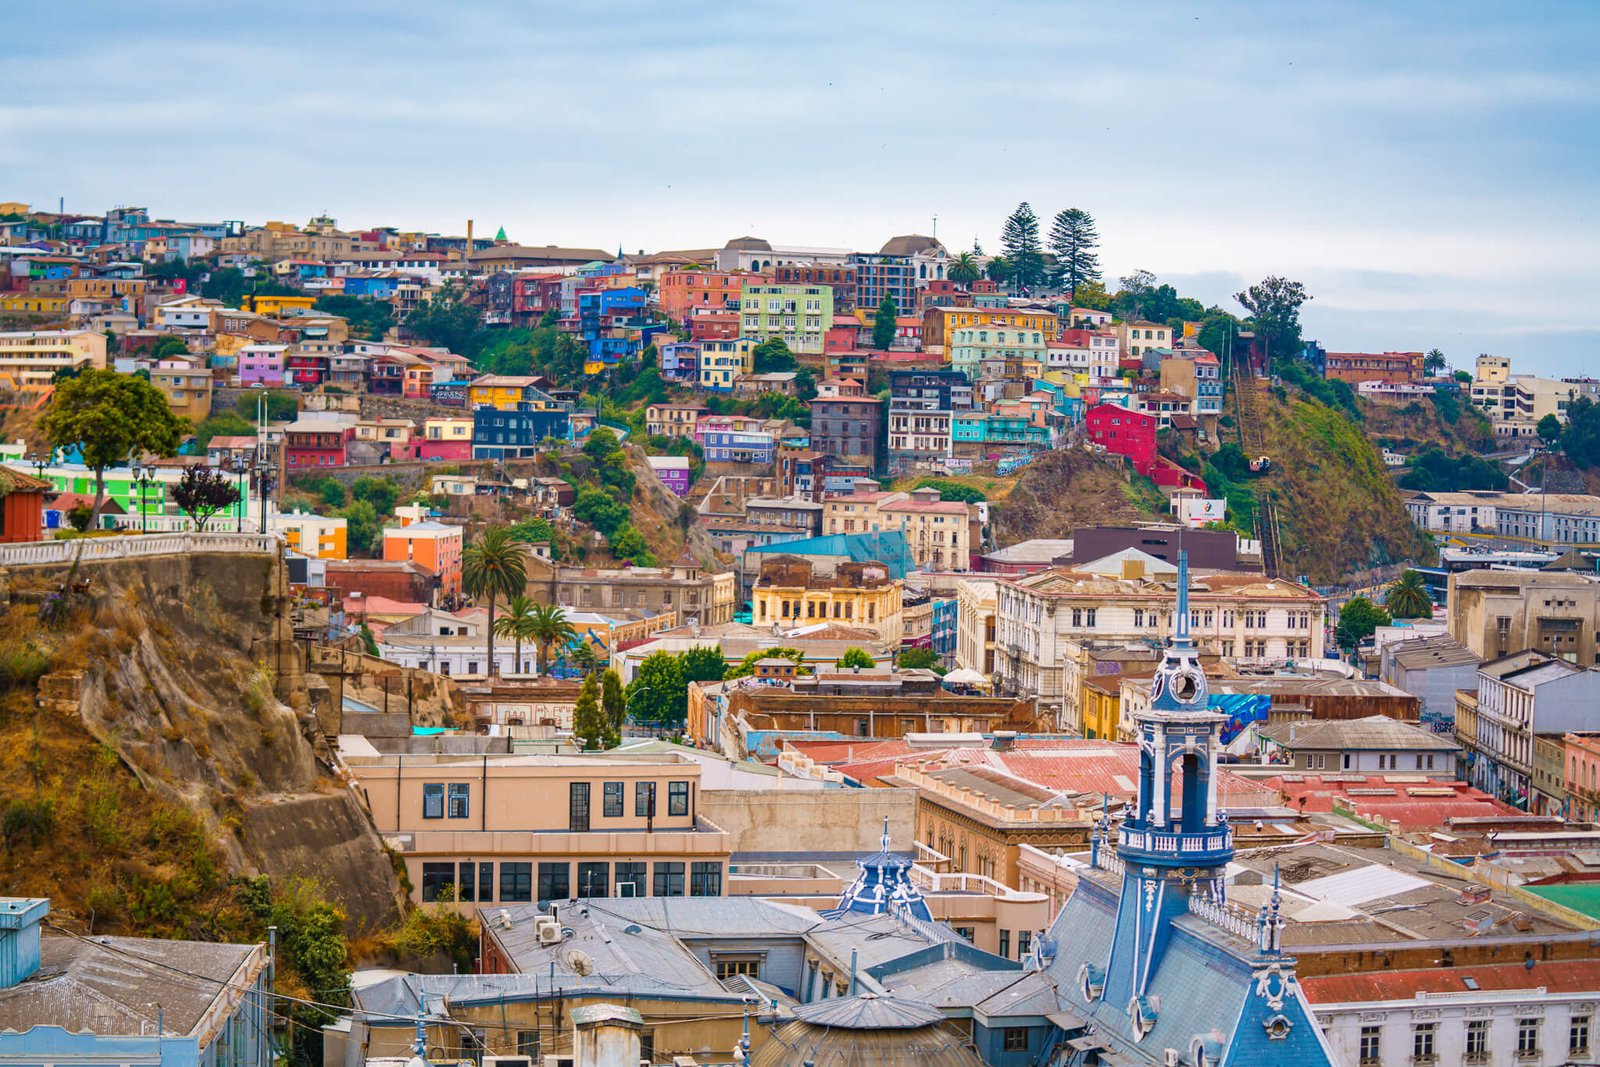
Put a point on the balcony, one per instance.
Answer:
(1200, 848)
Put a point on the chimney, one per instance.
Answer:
(606, 1035)
(20, 918)
(469, 238)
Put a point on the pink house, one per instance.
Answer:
(262, 365)
(445, 439)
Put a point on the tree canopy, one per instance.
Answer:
(658, 694)
(1019, 240)
(202, 492)
(1274, 305)
(110, 418)
(883, 323)
(1073, 239)
(1358, 619)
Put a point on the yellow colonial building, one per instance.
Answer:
(276, 305)
(794, 592)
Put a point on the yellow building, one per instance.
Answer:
(31, 358)
(312, 535)
(1102, 706)
(793, 592)
(501, 391)
(276, 305)
(33, 304)
(187, 386)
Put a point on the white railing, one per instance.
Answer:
(1175, 844)
(1227, 917)
(1110, 861)
(92, 549)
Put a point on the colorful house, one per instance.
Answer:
(798, 315)
(724, 362)
(444, 438)
(1124, 432)
(316, 443)
(432, 545)
(262, 365)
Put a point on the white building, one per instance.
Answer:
(454, 644)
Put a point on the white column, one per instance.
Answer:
(1159, 780)
(1211, 787)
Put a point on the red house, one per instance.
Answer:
(1125, 433)
(316, 443)
(24, 507)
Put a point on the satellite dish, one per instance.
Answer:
(579, 962)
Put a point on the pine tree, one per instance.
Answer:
(588, 723)
(1019, 239)
(611, 700)
(1074, 239)
(883, 323)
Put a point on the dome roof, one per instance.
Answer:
(748, 244)
(868, 1011)
(910, 244)
(890, 1044)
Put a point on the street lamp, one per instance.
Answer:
(145, 476)
(40, 463)
(264, 473)
(239, 466)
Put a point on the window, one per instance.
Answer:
(669, 880)
(705, 879)
(1527, 1037)
(644, 799)
(630, 879)
(612, 800)
(1005, 943)
(578, 807)
(459, 806)
(528, 1044)
(594, 879)
(516, 882)
(1369, 1047)
(677, 798)
(467, 883)
(433, 800)
(1014, 1039)
(1478, 1039)
(964, 931)
(1422, 1042)
(554, 881)
(1578, 1036)
(485, 882)
(435, 877)
(726, 967)
(1024, 943)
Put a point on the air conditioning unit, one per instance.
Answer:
(508, 1061)
(549, 932)
(1171, 1058)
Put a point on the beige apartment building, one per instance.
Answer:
(30, 359)
(187, 385)
(975, 626)
(523, 828)
(1499, 613)
(1064, 613)
(939, 533)
(702, 596)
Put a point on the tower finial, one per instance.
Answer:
(886, 833)
(1182, 631)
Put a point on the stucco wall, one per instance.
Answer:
(832, 820)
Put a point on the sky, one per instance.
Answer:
(1428, 170)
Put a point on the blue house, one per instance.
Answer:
(127, 1000)
(499, 433)
(1152, 963)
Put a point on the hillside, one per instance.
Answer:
(1409, 428)
(1061, 491)
(1338, 510)
(169, 739)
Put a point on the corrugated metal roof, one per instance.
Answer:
(1560, 976)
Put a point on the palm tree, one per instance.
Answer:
(550, 627)
(999, 269)
(517, 624)
(964, 269)
(494, 566)
(1408, 598)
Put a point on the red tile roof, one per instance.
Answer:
(1561, 976)
(1405, 806)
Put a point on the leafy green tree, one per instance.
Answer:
(446, 320)
(1408, 597)
(314, 960)
(492, 566)
(222, 424)
(381, 493)
(1019, 240)
(772, 356)
(1580, 439)
(1434, 470)
(963, 268)
(581, 654)
(1550, 431)
(704, 663)
(855, 658)
(747, 666)
(1218, 329)
(281, 406)
(1133, 295)
(201, 492)
(1358, 620)
(883, 323)
(952, 490)
(369, 643)
(920, 659)
(1092, 295)
(517, 624)
(1433, 364)
(629, 544)
(170, 346)
(1274, 306)
(600, 510)
(658, 693)
(531, 529)
(612, 703)
(110, 418)
(1073, 238)
(589, 723)
(363, 529)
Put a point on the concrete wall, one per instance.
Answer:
(832, 820)
(329, 837)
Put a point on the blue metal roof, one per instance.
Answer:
(888, 547)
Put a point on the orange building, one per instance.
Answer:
(1397, 368)
(431, 544)
(685, 292)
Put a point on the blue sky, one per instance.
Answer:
(1429, 170)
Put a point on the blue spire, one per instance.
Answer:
(1182, 633)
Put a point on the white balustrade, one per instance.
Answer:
(94, 549)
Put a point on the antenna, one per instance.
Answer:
(935, 225)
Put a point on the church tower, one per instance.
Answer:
(1174, 842)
